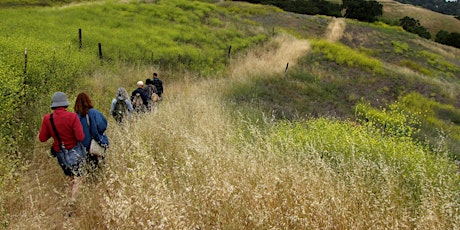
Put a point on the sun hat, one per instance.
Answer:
(140, 83)
(59, 100)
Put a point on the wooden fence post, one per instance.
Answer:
(79, 38)
(287, 66)
(25, 66)
(100, 51)
(229, 51)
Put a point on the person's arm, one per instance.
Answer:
(77, 128)
(133, 94)
(98, 124)
(130, 106)
(161, 85)
(44, 134)
(112, 107)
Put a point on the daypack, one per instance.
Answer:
(120, 109)
(137, 102)
(150, 89)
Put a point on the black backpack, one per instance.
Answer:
(120, 109)
(159, 85)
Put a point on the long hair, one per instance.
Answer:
(82, 104)
(122, 92)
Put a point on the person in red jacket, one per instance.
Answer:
(70, 133)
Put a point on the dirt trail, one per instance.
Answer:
(274, 57)
(270, 59)
(335, 29)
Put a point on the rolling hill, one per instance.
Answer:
(270, 120)
(433, 21)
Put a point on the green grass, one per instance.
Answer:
(436, 118)
(196, 39)
(343, 55)
(237, 142)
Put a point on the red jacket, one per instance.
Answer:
(68, 126)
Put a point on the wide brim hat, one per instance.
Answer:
(59, 99)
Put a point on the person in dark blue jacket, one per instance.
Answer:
(144, 95)
(94, 125)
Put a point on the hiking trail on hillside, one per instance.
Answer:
(335, 29)
(273, 58)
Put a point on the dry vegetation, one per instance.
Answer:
(271, 60)
(199, 162)
(431, 20)
(189, 166)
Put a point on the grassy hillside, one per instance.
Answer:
(375, 64)
(310, 122)
(433, 21)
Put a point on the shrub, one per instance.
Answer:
(344, 55)
(358, 153)
(394, 121)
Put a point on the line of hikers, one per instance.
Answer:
(143, 99)
(79, 139)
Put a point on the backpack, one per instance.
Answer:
(150, 89)
(120, 109)
(137, 102)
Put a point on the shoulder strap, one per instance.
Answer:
(56, 132)
(89, 125)
(87, 121)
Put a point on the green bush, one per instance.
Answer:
(400, 47)
(394, 121)
(436, 119)
(344, 55)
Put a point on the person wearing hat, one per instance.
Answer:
(70, 132)
(143, 94)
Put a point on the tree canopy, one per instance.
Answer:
(413, 26)
(362, 10)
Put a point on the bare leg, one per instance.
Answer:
(75, 181)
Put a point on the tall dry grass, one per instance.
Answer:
(195, 163)
(433, 21)
(272, 59)
(335, 29)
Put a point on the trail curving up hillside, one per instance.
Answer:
(273, 58)
(335, 29)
